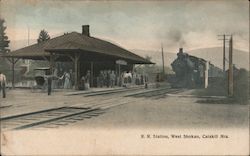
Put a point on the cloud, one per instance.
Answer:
(134, 24)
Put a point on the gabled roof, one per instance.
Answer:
(76, 41)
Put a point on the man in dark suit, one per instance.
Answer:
(2, 84)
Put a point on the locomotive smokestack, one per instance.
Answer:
(85, 30)
(180, 50)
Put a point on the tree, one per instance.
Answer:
(4, 42)
(43, 36)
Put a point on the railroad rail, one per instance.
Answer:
(65, 115)
(50, 116)
(114, 91)
(155, 93)
(105, 90)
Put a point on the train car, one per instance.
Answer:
(190, 71)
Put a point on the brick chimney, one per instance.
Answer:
(85, 30)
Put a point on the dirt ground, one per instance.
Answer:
(124, 129)
(166, 112)
(170, 112)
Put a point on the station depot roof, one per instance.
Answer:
(90, 48)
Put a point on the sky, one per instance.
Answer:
(132, 24)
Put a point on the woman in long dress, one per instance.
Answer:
(67, 81)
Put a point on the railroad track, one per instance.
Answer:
(115, 91)
(57, 116)
(164, 94)
(155, 93)
(106, 91)
(133, 92)
(52, 118)
(110, 91)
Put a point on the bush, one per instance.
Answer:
(241, 86)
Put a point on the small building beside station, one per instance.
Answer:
(86, 52)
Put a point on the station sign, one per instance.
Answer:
(121, 62)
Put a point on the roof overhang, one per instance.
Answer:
(69, 44)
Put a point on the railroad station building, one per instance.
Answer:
(86, 53)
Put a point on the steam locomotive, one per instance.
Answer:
(190, 71)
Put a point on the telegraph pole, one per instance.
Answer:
(163, 65)
(230, 71)
(28, 62)
(249, 53)
(28, 35)
(224, 50)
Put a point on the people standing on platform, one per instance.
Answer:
(125, 78)
(49, 79)
(108, 79)
(67, 80)
(60, 81)
(98, 81)
(101, 79)
(116, 78)
(112, 78)
(72, 80)
(87, 80)
(146, 80)
(82, 83)
(55, 79)
(105, 77)
(129, 77)
(48, 76)
(137, 81)
(119, 79)
(142, 79)
(2, 84)
(134, 78)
